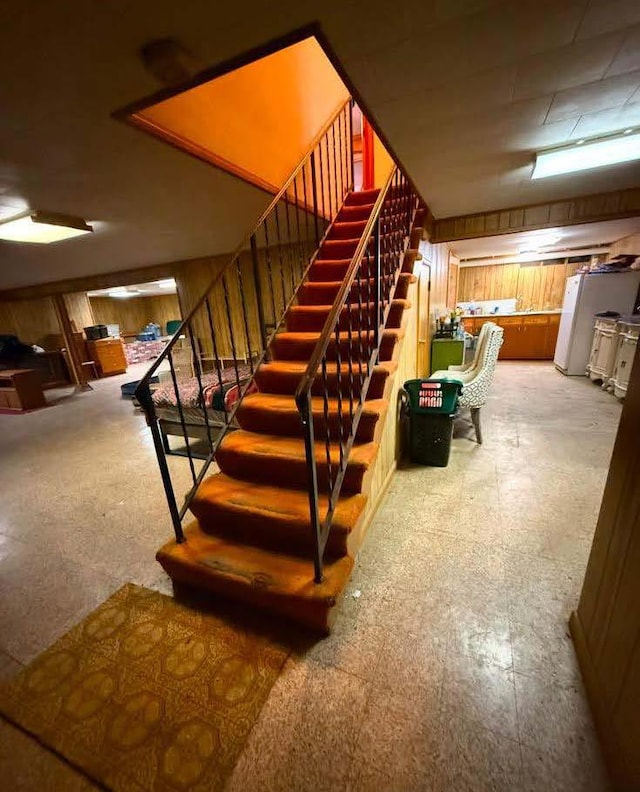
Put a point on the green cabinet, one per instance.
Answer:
(446, 352)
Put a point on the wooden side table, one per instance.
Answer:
(21, 389)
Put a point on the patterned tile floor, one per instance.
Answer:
(450, 667)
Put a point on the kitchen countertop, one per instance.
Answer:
(515, 313)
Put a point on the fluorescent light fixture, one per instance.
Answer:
(596, 154)
(42, 228)
(168, 283)
(122, 293)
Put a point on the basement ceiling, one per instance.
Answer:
(465, 90)
(587, 235)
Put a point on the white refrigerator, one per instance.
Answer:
(584, 296)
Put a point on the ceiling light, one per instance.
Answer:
(168, 283)
(540, 240)
(596, 154)
(123, 294)
(42, 228)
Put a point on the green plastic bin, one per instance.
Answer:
(431, 405)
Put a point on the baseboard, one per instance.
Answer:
(372, 510)
(618, 770)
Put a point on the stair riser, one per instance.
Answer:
(302, 350)
(362, 197)
(338, 249)
(287, 383)
(350, 214)
(316, 616)
(284, 471)
(254, 419)
(254, 528)
(300, 320)
(347, 230)
(325, 294)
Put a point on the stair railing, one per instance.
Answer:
(341, 367)
(209, 364)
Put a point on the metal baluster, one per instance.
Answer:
(306, 415)
(234, 354)
(351, 173)
(146, 400)
(279, 245)
(341, 157)
(325, 413)
(376, 237)
(267, 254)
(314, 190)
(244, 314)
(216, 356)
(291, 254)
(324, 212)
(339, 391)
(360, 326)
(258, 289)
(370, 333)
(301, 256)
(199, 375)
(335, 166)
(350, 355)
(181, 414)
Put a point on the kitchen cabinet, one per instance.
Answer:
(628, 335)
(603, 350)
(529, 336)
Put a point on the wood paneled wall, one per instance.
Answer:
(606, 625)
(133, 314)
(539, 286)
(432, 294)
(31, 320)
(79, 309)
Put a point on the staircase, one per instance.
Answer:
(252, 538)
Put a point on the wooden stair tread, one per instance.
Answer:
(275, 503)
(283, 403)
(225, 566)
(301, 335)
(300, 366)
(289, 449)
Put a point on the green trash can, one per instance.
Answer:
(431, 405)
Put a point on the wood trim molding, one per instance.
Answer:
(104, 280)
(570, 211)
(605, 727)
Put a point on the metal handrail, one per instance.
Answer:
(316, 197)
(321, 528)
(144, 382)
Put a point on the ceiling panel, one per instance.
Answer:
(465, 90)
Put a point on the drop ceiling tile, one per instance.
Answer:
(512, 31)
(579, 63)
(628, 57)
(483, 92)
(607, 121)
(601, 95)
(605, 15)
(534, 138)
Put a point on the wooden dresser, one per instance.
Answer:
(108, 355)
(21, 389)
